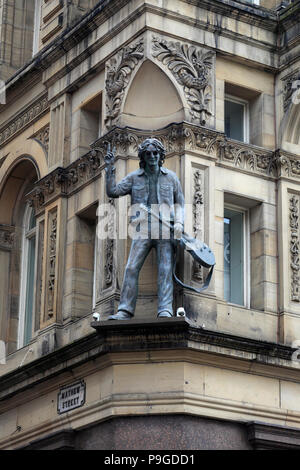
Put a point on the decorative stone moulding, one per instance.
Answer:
(288, 164)
(23, 120)
(198, 218)
(118, 73)
(192, 68)
(176, 138)
(51, 265)
(64, 181)
(294, 202)
(109, 253)
(42, 137)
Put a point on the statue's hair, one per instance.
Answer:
(143, 148)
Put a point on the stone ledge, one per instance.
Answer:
(175, 333)
(268, 437)
(157, 333)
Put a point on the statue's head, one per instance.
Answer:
(151, 142)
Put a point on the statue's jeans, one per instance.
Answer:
(165, 259)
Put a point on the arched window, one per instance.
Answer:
(28, 274)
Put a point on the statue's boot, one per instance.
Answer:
(164, 313)
(121, 315)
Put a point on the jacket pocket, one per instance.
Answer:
(166, 193)
(139, 193)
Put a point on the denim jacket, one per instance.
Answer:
(136, 184)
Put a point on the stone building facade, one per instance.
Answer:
(218, 83)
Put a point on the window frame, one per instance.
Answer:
(27, 236)
(246, 119)
(246, 253)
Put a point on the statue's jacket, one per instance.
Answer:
(169, 191)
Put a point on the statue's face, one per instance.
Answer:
(151, 156)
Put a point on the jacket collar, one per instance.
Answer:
(141, 171)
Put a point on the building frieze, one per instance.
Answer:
(288, 164)
(176, 138)
(24, 119)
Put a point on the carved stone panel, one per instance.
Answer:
(118, 73)
(51, 259)
(291, 85)
(295, 248)
(42, 137)
(198, 217)
(109, 253)
(192, 68)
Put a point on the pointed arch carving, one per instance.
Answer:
(152, 100)
(190, 69)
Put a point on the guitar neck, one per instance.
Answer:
(149, 211)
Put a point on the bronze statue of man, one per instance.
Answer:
(150, 185)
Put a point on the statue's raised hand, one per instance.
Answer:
(110, 156)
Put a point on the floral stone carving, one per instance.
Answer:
(294, 248)
(192, 68)
(118, 73)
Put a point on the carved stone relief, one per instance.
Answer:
(118, 72)
(192, 69)
(43, 137)
(290, 85)
(288, 164)
(51, 265)
(109, 252)
(179, 138)
(295, 248)
(198, 218)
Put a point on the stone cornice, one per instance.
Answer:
(290, 15)
(271, 437)
(247, 13)
(70, 37)
(145, 335)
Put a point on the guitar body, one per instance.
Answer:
(198, 250)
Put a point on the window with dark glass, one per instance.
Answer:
(236, 119)
(234, 256)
